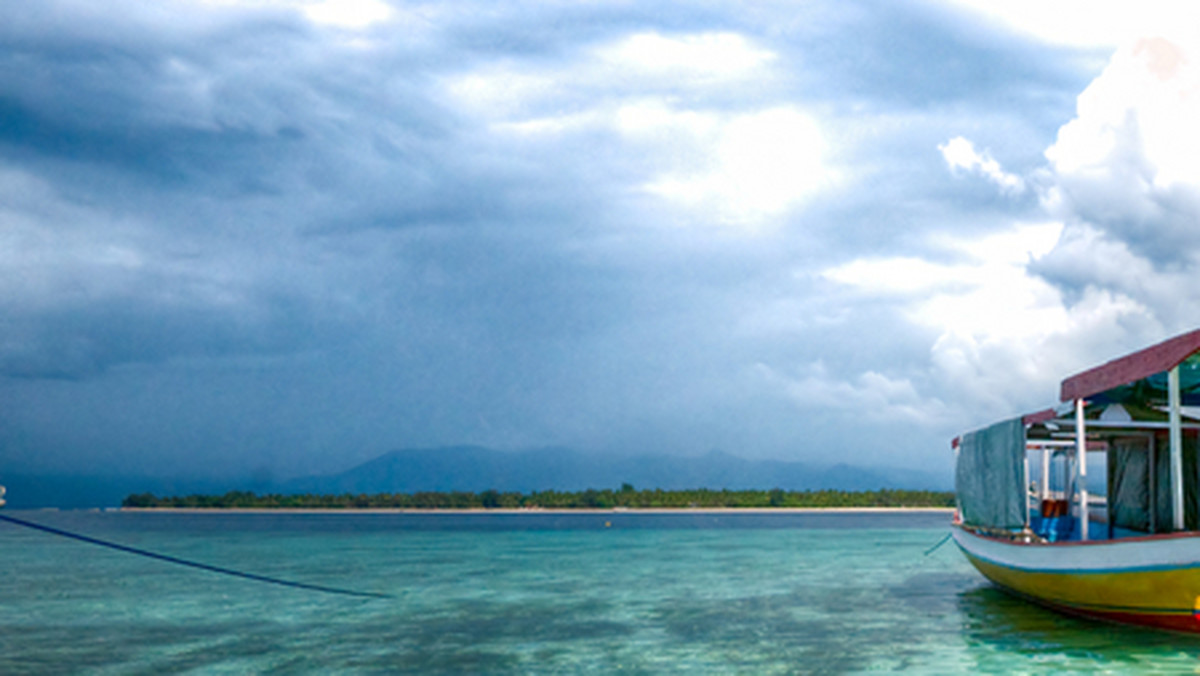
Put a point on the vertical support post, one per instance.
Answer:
(1045, 474)
(1081, 468)
(1028, 497)
(1153, 486)
(1068, 476)
(1176, 422)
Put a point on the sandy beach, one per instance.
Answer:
(648, 510)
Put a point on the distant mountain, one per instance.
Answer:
(472, 468)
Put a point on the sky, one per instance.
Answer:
(285, 236)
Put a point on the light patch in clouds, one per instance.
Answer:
(648, 66)
(552, 124)
(503, 91)
(653, 118)
(899, 275)
(960, 154)
(988, 293)
(870, 395)
(754, 166)
(987, 258)
(1006, 304)
(705, 56)
(713, 164)
(1020, 244)
(347, 13)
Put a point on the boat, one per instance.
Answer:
(1124, 546)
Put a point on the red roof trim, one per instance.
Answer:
(1040, 416)
(1131, 367)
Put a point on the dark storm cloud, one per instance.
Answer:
(435, 229)
(257, 105)
(83, 340)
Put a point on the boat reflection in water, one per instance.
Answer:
(999, 626)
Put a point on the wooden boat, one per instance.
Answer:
(1027, 517)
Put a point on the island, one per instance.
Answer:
(626, 497)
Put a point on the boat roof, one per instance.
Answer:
(1136, 381)
(1141, 375)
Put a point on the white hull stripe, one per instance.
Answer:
(1100, 558)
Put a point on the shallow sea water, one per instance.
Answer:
(536, 593)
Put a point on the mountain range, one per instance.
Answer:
(473, 468)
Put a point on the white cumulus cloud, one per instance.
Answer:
(1005, 334)
(960, 154)
(1128, 164)
(1109, 270)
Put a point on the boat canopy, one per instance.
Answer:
(1131, 409)
(989, 479)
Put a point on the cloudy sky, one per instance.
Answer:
(284, 236)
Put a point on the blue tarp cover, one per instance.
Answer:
(989, 479)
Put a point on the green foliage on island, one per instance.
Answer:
(626, 497)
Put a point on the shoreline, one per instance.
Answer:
(556, 512)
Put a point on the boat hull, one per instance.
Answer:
(1152, 581)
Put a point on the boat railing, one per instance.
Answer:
(1024, 535)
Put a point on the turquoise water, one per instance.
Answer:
(533, 594)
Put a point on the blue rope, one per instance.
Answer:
(939, 544)
(193, 564)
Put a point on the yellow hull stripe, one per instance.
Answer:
(1170, 591)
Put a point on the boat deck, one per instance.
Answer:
(1066, 529)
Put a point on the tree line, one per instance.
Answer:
(625, 497)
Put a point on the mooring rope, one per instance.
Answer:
(939, 544)
(185, 562)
